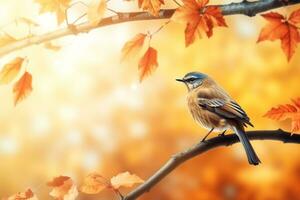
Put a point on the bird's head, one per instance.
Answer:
(193, 79)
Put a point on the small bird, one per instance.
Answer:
(215, 110)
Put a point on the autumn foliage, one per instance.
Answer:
(283, 29)
(287, 111)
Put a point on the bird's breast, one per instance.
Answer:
(204, 117)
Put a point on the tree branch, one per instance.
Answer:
(244, 8)
(203, 147)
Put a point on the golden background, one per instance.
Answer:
(88, 112)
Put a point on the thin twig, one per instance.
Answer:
(203, 147)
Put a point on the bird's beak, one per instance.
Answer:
(180, 80)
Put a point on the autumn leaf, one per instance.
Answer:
(198, 18)
(51, 46)
(152, 6)
(148, 63)
(96, 11)
(125, 180)
(27, 195)
(23, 87)
(11, 70)
(94, 183)
(63, 188)
(6, 39)
(295, 17)
(55, 6)
(133, 45)
(287, 111)
(280, 28)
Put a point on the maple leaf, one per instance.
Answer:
(199, 18)
(6, 39)
(56, 6)
(278, 27)
(152, 6)
(22, 87)
(148, 63)
(95, 183)
(96, 11)
(27, 195)
(11, 70)
(63, 188)
(125, 180)
(51, 46)
(133, 45)
(287, 111)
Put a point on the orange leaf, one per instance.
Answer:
(152, 6)
(63, 188)
(27, 195)
(58, 7)
(198, 18)
(125, 180)
(295, 17)
(23, 87)
(11, 70)
(94, 183)
(280, 28)
(287, 111)
(148, 62)
(96, 11)
(133, 45)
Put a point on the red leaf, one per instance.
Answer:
(148, 63)
(198, 18)
(282, 29)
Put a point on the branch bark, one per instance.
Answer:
(244, 8)
(203, 147)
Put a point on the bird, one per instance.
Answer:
(213, 108)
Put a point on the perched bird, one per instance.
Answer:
(215, 110)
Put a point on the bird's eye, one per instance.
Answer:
(191, 79)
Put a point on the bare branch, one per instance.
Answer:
(244, 8)
(203, 147)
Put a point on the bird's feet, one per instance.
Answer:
(222, 134)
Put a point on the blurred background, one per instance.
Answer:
(88, 112)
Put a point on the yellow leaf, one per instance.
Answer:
(27, 195)
(23, 87)
(133, 45)
(152, 6)
(11, 70)
(63, 188)
(94, 183)
(6, 39)
(125, 180)
(56, 6)
(96, 11)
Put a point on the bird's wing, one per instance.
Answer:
(225, 109)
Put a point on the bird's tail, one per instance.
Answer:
(251, 155)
